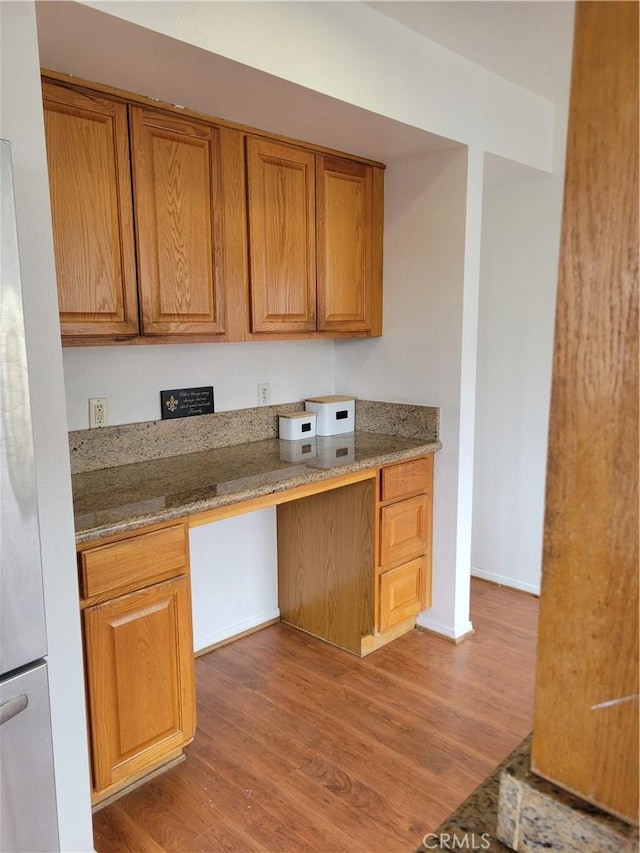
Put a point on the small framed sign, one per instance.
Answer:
(186, 402)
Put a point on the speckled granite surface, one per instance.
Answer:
(113, 500)
(91, 449)
(515, 810)
(534, 815)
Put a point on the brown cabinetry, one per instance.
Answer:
(237, 236)
(315, 241)
(404, 554)
(178, 211)
(139, 654)
(349, 252)
(90, 188)
(354, 563)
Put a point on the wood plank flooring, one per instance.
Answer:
(302, 747)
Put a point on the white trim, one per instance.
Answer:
(534, 589)
(424, 621)
(200, 643)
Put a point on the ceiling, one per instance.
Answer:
(522, 40)
(79, 40)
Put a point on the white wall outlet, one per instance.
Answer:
(98, 412)
(264, 394)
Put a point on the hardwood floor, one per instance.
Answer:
(302, 747)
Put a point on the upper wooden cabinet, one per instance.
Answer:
(345, 273)
(177, 192)
(170, 227)
(90, 188)
(315, 241)
(282, 253)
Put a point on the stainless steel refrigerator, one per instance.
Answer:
(28, 818)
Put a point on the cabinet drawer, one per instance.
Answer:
(404, 530)
(408, 478)
(134, 563)
(401, 593)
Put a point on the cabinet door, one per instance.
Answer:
(282, 247)
(177, 188)
(402, 593)
(139, 654)
(91, 208)
(404, 530)
(345, 282)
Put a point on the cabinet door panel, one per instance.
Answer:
(177, 173)
(282, 248)
(140, 675)
(401, 593)
(91, 207)
(344, 222)
(404, 530)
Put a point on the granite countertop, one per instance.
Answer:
(110, 501)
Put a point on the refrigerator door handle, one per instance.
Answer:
(13, 707)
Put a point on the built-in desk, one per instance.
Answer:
(354, 568)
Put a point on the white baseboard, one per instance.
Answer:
(457, 634)
(534, 589)
(229, 631)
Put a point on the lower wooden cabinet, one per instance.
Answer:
(354, 563)
(402, 593)
(138, 661)
(404, 554)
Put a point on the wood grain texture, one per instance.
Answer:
(282, 241)
(190, 177)
(91, 207)
(586, 723)
(304, 747)
(130, 564)
(235, 237)
(326, 564)
(177, 179)
(406, 479)
(401, 593)
(377, 239)
(403, 533)
(344, 222)
(139, 667)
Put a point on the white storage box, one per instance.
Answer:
(297, 425)
(298, 451)
(334, 414)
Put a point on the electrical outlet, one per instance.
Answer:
(98, 412)
(264, 394)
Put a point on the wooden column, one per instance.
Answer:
(586, 716)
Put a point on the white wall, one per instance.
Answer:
(520, 246)
(419, 358)
(132, 377)
(22, 124)
(350, 52)
(234, 576)
(521, 219)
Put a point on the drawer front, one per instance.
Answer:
(408, 478)
(134, 563)
(401, 593)
(403, 530)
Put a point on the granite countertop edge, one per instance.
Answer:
(135, 522)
